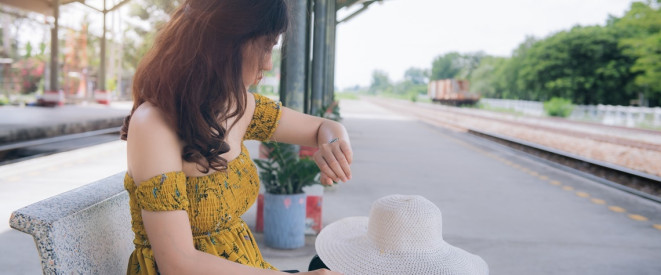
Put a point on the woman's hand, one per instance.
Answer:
(333, 159)
(322, 271)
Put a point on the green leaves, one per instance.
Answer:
(380, 82)
(587, 64)
(446, 66)
(455, 65)
(642, 42)
(284, 172)
(559, 107)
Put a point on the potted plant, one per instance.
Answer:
(284, 174)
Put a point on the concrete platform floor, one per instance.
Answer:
(522, 216)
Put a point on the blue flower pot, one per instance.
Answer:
(284, 220)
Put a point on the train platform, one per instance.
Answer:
(31, 122)
(520, 214)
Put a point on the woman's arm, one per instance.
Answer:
(333, 158)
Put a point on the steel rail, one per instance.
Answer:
(628, 180)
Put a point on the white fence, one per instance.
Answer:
(607, 114)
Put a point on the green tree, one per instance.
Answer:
(417, 76)
(583, 64)
(469, 63)
(446, 66)
(485, 77)
(380, 82)
(642, 25)
(608, 64)
(147, 18)
(455, 65)
(28, 50)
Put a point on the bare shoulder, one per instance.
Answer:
(147, 115)
(153, 147)
(250, 105)
(249, 111)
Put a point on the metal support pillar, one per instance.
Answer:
(308, 55)
(102, 67)
(319, 47)
(54, 62)
(292, 83)
(329, 94)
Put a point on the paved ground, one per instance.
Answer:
(521, 215)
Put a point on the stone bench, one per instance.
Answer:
(83, 231)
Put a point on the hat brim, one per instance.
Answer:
(344, 247)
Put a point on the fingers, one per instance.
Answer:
(324, 166)
(343, 163)
(346, 150)
(326, 180)
(334, 161)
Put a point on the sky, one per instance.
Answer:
(395, 35)
(399, 34)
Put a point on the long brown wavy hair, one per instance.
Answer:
(193, 72)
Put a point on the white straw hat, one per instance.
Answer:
(403, 235)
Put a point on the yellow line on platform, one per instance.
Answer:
(456, 140)
(567, 188)
(582, 194)
(638, 217)
(598, 201)
(533, 173)
(617, 209)
(657, 226)
(543, 177)
(555, 182)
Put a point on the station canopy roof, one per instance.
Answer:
(46, 6)
(39, 6)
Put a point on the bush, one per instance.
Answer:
(559, 107)
(413, 96)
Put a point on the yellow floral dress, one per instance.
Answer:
(214, 202)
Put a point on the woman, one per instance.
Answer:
(189, 176)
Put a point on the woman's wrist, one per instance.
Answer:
(331, 132)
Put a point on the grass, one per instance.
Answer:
(404, 97)
(648, 126)
(346, 96)
(487, 107)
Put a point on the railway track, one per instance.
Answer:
(629, 180)
(582, 134)
(19, 151)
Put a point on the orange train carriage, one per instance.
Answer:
(452, 92)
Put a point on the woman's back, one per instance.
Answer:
(214, 202)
